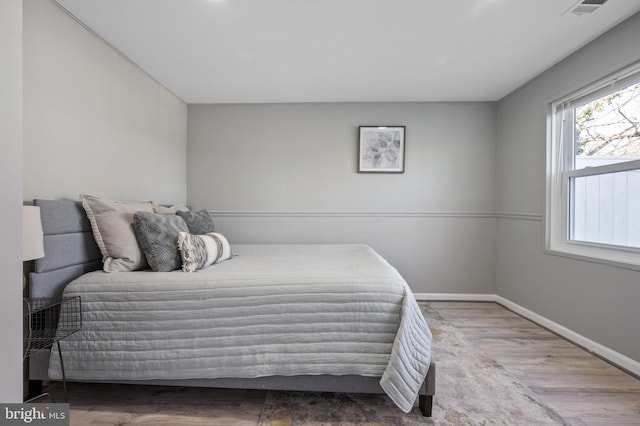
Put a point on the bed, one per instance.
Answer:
(334, 318)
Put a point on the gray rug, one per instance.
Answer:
(472, 389)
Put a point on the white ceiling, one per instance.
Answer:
(230, 51)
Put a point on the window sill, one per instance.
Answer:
(612, 257)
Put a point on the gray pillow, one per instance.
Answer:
(199, 222)
(158, 238)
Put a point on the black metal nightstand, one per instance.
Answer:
(48, 320)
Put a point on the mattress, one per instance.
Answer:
(270, 310)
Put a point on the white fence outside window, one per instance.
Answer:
(606, 207)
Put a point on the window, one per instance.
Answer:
(593, 172)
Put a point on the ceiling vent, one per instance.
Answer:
(585, 7)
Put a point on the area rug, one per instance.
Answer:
(471, 389)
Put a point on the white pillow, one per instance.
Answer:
(157, 208)
(112, 226)
(200, 251)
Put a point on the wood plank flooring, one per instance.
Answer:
(582, 388)
(579, 386)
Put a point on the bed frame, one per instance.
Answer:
(70, 251)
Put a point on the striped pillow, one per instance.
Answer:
(200, 251)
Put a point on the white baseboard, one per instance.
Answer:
(616, 358)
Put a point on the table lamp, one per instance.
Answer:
(32, 236)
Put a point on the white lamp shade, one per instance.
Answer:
(32, 235)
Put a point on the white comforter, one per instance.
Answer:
(270, 310)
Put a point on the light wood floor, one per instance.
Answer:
(582, 388)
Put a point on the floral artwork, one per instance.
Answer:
(381, 149)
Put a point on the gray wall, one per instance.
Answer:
(11, 201)
(595, 300)
(94, 122)
(287, 173)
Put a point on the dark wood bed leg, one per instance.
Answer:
(425, 402)
(428, 390)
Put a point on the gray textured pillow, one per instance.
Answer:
(199, 222)
(158, 237)
(111, 225)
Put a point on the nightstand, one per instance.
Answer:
(48, 320)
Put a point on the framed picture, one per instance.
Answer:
(381, 149)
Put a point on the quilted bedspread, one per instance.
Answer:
(271, 310)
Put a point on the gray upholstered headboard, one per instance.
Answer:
(69, 248)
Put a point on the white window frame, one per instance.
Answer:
(560, 170)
